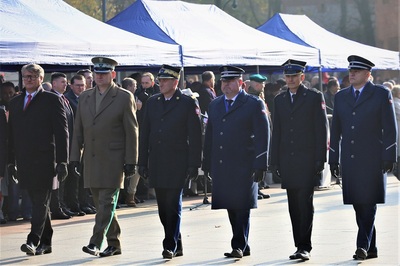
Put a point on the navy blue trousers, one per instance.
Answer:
(240, 223)
(169, 203)
(365, 217)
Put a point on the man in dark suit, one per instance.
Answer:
(363, 140)
(236, 154)
(298, 150)
(3, 145)
(38, 140)
(76, 196)
(57, 206)
(206, 91)
(170, 152)
(106, 135)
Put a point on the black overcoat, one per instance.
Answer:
(38, 138)
(170, 139)
(299, 137)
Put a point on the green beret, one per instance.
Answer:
(258, 78)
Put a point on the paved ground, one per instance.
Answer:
(206, 234)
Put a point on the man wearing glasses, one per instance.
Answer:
(38, 147)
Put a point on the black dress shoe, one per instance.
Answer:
(179, 253)
(29, 248)
(361, 254)
(91, 249)
(79, 211)
(88, 210)
(70, 213)
(295, 255)
(43, 249)
(167, 254)
(59, 215)
(236, 253)
(246, 253)
(110, 251)
(264, 196)
(304, 255)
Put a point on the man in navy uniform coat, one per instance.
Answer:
(364, 124)
(236, 154)
(170, 152)
(298, 150)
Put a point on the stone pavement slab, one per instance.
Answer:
(206, 234)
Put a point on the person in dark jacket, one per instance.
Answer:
(298, 150)
(170, 152)
(38, 147)
(236, 154)
(363, 146)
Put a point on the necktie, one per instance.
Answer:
(357, 95)
(65, 99)
(28, 101)
(293, 97)
(228, 104)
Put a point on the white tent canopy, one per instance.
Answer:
(52, 32)
(333, 48)
(208, 36)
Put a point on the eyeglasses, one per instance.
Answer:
(30, 77)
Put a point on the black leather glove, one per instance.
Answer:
(75, 168)
(129, 170)
(319, 167)
(143, 172)
(335, 170)
(193, 173)
(62, 171)
(12, 173)
(275, 170)
(258, 175)
(387, 166)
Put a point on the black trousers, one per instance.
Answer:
(41, 230)
(365, 217)
(301, 210)
(169, 203)
(240, 223)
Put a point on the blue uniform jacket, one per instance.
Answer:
(236, 143)
(363, 134)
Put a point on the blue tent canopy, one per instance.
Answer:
(207, 36)
(333, 48)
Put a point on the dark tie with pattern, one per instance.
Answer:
(228, 104)
(357, 94)
(28, 101)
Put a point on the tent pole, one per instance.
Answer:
(320, 79)
(182, 79)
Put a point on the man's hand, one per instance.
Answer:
(193, 173)
(275, 170)
(258, 175)
(75, 168)
(129, 170)
(335, 170)
(143, 172)
(62, 171)
(319, 167)
(387, 166)
(12, 173)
